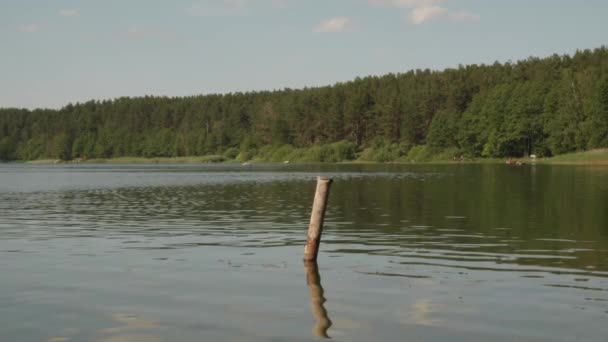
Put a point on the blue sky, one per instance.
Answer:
(58, 51)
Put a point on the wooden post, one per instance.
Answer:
(315, 228)
(317, 299)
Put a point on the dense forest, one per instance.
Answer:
(543, 106)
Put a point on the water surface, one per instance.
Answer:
(191, 253)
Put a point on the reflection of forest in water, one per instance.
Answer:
(217, 254)
(534, 215)
(523, 212)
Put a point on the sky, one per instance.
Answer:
(55, 52)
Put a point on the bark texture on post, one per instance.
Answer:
(317, 300)
(315, 229)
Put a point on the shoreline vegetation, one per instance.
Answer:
(548, 107)
(594, 157)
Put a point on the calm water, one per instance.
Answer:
(213, 253)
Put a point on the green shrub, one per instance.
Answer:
(212, 159)
(244, 156)
(311, 154)
(331, 153)
(381, 152)
(339, 151)
(418, 153)
(231, 153)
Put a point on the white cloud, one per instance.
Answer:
(69, 13)
(29, 28)
(421, 11)
(336, 24)
(421, 14)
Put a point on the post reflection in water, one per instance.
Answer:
(317, 299)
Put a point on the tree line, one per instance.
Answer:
(545, 106)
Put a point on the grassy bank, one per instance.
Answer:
(140, 160)
(42, 161)
(343, 152)
(593, 157)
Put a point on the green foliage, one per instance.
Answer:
(275, 153)
(212, 159)
(338, 152)
(420, 153)
(6, 152)
(596, 156)
(244, 156)
(381, 152)
(443, 131)
(231, 153)
(547, 106)
(62, 147)
(331, 153)
(598, 123)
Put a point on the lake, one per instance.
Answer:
(214, 253)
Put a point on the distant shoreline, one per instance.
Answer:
(598, 157)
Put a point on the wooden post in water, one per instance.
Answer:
(315, 228)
